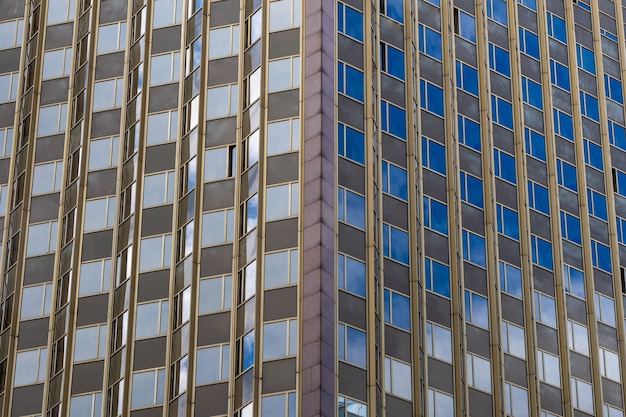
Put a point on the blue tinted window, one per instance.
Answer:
(589, 106)
(496, 10)
(469, 132)
(541, 252)
(349, 21)
(435, 215)
(600, 256)
(247, 359)
(397, 310)
(350, 143)
(395, 243)
(392, 60)
(499, 60)
(613, 89)
(574, 281)
(351, 344)
(434, 156)
(393, 119)
(570, 227)
(350, 81)
(585, 59)
(507, 221)
(504, 165)
(535, 144)
(559, 75)
(429, 42)
(528, 43)
(431, 97)
(566, 174)
(563, 124)
(608, 35)
(466, 26)
(351, 207)
(597, 204)
(619, 182)
(556, 28)
(510, 279)
(502, 111)
(476, 309)
(394, 180)
(474, 248)
(617, 135)
(471, 189)
(593, 154)
(531, 4)
(621, 230)
(466, 78)
(538, 197)
(531, 93)
(392, 9)
(351, 274)
(437, 277)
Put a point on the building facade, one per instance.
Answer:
(312, 208)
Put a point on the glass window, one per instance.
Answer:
(350, 81)
(585, 59)
(507, 221)
(541, 252)
(220, 163)
(398, 379)
(437, 276)
(531, 93)
(516, 401)
(90, 343)
(504, 165)
(613, 88)
(349, 21)
(440, 404)
(47, 177)
(465, 25)
(545, 309)
(162, 127)
(589, 106)
(350, 207)
(36, 301)
(574, 281)
(478, 372)
(501, 112)
(468, 132)
(394, 180)
(350, 143)
(397, 309)
(111, 38)
(531, 4)
(223, 41)
(151, 319)
(284, 14)
(499, 60)
(249, 216)
(279, 405)
(158, 189)
(392, 119)
(619, 182)
(600, 256)
(548, 368)
(215, 294)
(559, 75)
(94, 277)
(42, 238)
(283, 136)
(608, 411)
(474, 248)
(52, 119)
(103, 153)
(281, 268)
(350, 408)
(282, 201)
(392, 60)
(99, 214)
(284, 74)
(60, 11)
(570, 227)
(222, 101)
(538, 197)
(107, 94)
(167, 12)
(556, 27)
(8, 86)
(165, 68)
(467, 77)
(609, 364)
(351, 344)
(155, 252)
(6, 141)
(621, 229)
(528, 42)
(593, 154)
(438, 342)
(496, 10)
(351, 274)
(89, 405)
(435, 215)
(434, 156)
(596, 203)
(395, 243)
(392, 9)
(513, 340)
(476, 309)
(217, 227)
(280, 339)
(4, 194)
(11, 33)
(213, 364)
(577, 337)
(605, 309)
(431, 97)
(147, 388)
(471, 189)
(429, 42)
(30, 366)
(510, 279)
(566, 174)
(582, 395)
(563, 124)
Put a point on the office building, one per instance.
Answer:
(312, 208)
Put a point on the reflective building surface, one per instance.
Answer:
(302, 208)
